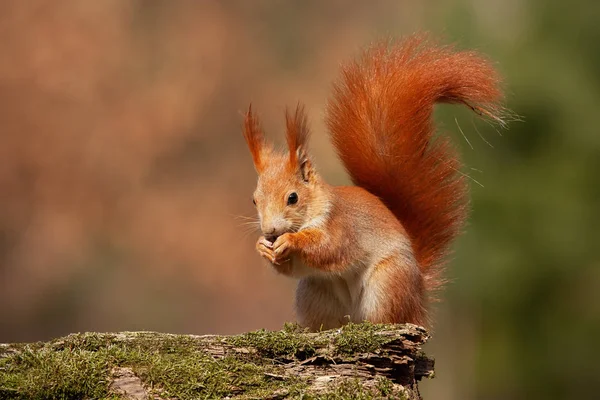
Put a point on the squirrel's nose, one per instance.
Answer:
(274, 230)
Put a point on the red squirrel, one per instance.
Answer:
(374, 251)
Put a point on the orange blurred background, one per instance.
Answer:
(125, 180)
(123, 166)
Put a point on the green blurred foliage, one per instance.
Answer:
(521, 316)
(529, 266)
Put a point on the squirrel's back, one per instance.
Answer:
(380, 121)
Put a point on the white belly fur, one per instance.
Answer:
(358, 295)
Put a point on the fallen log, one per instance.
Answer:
(357, 361)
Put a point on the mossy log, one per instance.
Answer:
(358, 361)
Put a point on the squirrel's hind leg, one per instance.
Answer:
(393, 293)
(319, 305)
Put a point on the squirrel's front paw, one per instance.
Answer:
(265, 249)
(282, 247)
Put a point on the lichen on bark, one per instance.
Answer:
(364, 361)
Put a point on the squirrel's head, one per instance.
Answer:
(288, 189)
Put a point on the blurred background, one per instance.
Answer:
(123, 174)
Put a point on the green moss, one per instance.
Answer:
(200, 376)
(173, 366)
(78, 366)
(353, 389)
(85, 341)
(360, 338)
(45, 373)
(384, 386)
(290, 342)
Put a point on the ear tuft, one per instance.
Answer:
(255, 139)
(297, 135)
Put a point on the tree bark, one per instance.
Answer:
(359, 360)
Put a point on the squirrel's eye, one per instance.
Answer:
(253, 201)
(292, 198)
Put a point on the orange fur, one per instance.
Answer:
(380, 122)
(255, 138)
(297, 133)
(372, 251)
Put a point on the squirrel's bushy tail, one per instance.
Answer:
(380, 120)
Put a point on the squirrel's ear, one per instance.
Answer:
(297, 139)
(304, 165)
(255, 139)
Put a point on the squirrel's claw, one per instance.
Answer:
(282, 247)
(265, 249)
